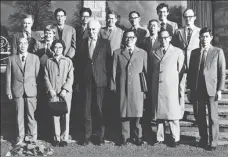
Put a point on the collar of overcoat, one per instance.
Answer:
(126, 54)
(27, 63)
(159, 54)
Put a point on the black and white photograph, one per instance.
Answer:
(114, 78)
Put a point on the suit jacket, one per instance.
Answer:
(99, 66)
(69, 37)
(31, 41)
(147, 44)
(115, 37)
(171, 27)
(141, 33)
(180, 40)
(19, 81)
(214, 71)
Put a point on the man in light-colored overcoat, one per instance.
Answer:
(165, 66)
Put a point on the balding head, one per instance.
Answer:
(189, 17)
(93, 28)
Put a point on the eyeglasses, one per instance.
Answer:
(190, 17)
(58, 47)
(85, 17)
(130, 38)
(133, 18)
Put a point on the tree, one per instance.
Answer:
(41, 10)
(76, 20)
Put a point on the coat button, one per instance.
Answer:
(129, 73)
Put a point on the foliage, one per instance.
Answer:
(176, 14)
(41, 10)
(76, 20)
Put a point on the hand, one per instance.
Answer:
(218, 95)
(52, 93)
(63, 93)
(10, 96)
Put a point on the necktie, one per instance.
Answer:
(163, 25)
(23, 58)
(189, 34)
(60, 31)
(164, 51)
(130, 52)
(152, 41)
(91, 48)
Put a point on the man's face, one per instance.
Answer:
(153, 27)
(111, 20)
(165, 39)
(49, 35)
(93, 30)
(61, 18)
(162, 14)
(189, 18)
(27, 24)
(134, 19)
(58, 49)
(23, 45)
(205, 39)
(130, 39)
(85, 18)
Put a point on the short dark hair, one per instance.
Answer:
(153, 20)
(187, 10)
(58, 41)
(163, 30)
(85, 10)
(58, 10)
(162, 5)
(112, 12)
(129, 30)
(204, 30)
(133, 12)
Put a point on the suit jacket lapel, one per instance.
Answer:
(126, 54)
(28, 62)
(168, 52)
(96, 49)
(18, 61)
(184, 36)
(56, 32)
(112, 33)
(210, 54)
(64, 33)
(194, 34)
(158, 53)
(134, 54)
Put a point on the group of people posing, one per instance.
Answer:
(111, 67)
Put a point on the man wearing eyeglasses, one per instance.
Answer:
(129, 61)
(187, 39)
(141, 33)
(164, 72)
(163, 12)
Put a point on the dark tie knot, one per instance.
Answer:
(23, 58)
(130, 51)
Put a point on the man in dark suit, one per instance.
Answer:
(151, 42)
(111, 32)
(27, 23)
(65, 32)
(163, 12)
(21, 73)
(141, 33)
(206, 80)
(187, 39)
(94, 60)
